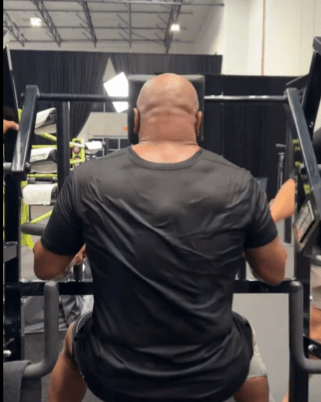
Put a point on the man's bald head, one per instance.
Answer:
(168, 93)
(168, 110)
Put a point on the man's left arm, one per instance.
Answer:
(62, 238)
(49, 265)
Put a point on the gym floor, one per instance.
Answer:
(268, 314)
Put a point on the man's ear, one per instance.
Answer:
(198, 123)
(137, 121)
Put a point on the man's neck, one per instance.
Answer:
(165, 151)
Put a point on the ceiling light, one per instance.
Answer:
(35, 22)
(118, 86)
(175, 28)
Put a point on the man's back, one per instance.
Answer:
(165, 242)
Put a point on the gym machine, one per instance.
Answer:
(306, 226)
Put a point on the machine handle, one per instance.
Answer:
(33, 229)
(296, 330)
(51, 334)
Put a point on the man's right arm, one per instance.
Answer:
(283, 205)
(263, 248)
(268, 262)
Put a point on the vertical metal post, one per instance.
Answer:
(63, 138)
(299, 379)
(12, 293)
(312, 93)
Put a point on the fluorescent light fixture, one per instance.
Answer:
(36, 22)
(175, 28)
(118, 86)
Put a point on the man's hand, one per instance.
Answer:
(9, 125)
(80, 256)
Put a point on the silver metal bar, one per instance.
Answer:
(12, 28)
(217, 99)
(245, 99)
(45, 16)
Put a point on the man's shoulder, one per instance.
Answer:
(93, 166)
(226, 166)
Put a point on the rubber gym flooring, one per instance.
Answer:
(268, 314)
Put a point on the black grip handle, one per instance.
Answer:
(296, 330)
(51, 334)
(33, 229)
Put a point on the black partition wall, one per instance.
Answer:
(83, 72)
(246, 134)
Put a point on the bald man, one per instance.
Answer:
(165, 225)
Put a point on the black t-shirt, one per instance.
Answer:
(164, 242)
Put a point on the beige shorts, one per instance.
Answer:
(316, 287)
(257, 367)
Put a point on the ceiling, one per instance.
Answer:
(109, 25)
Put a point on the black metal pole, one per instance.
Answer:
(312, 93)
(296, 331)
(63, 138)
(12, 267)
(81, 98)
(265, 99)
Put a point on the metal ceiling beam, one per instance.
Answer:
(45, 16)
(100, 40)
(130, 24)
(91, 28)
(156, 28)
(136, 2)
(172, 20)
(12, 28)
(13, 10)
(126, 30)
